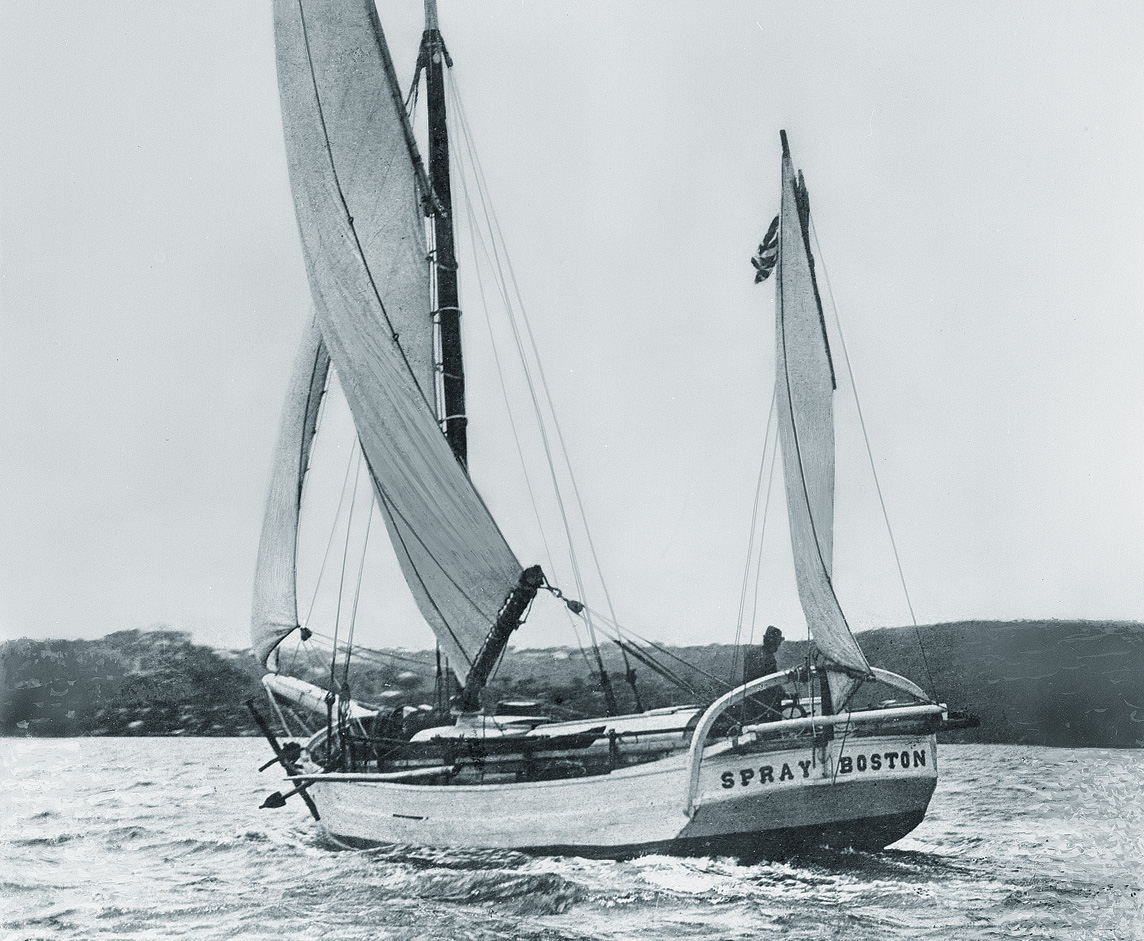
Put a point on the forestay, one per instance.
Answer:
(804, 391)
(358, 188)
(275, 610)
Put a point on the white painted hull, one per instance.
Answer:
(755, 803)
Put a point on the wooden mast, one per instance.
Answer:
(434, 57)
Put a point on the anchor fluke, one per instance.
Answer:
(278, 799)
(273, 802)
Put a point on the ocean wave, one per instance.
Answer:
(515, 892)
(55, 840)
(130, 832)
(421, 857)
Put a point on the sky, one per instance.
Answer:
(977, 185)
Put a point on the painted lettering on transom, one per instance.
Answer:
(854, 763)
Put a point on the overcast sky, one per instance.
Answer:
(977, 182)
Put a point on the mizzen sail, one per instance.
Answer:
(804, 390)
(275, 609)
(358, 195)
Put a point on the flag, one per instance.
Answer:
(768, 253)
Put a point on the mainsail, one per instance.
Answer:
(358, 191)
(804, 390)
(275, 610)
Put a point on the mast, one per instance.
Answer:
(433, 58)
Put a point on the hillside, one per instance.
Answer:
(1066, 683)
(127, 683)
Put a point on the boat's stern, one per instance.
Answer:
(863, 792)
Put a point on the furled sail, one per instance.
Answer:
(804, 390)
(275, 610)
(358, 185)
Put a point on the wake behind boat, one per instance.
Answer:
(833, 752)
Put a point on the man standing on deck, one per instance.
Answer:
(771, 698)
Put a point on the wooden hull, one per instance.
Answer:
(753, 804)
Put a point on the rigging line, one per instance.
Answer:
(751, 537)
(495, 260)
(870, 457)
(474, 162)
(342, 196)
(798, 446)
(357, 596)
(470, 148)
(354, 450)
(842, 746)
(378, 656)
(281, 714)
(342, 580)
(651, 643)
(651, 663)
(579, 642)
(475, 239)
(495, 231)
(763, 532)
(314, 661)
(439, 390)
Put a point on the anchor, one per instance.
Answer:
(286, 755)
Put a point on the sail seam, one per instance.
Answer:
(430, 554)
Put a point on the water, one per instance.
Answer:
(162, 838)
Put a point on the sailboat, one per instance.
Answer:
(834, 752)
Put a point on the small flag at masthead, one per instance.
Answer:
(768, 254)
